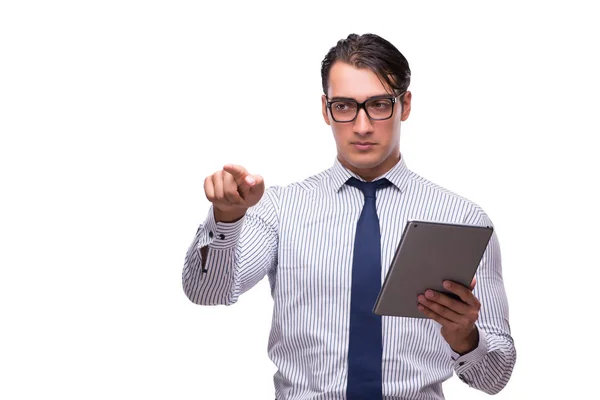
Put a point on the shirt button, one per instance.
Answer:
(210, 234)
(221, 236)
(460, 364)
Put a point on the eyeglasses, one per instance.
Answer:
(377, 108)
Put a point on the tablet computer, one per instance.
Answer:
(428, 253)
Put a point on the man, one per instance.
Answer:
(325, 244)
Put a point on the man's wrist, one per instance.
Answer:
(228, 216)
(469, 344)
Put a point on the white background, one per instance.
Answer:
(113, 112)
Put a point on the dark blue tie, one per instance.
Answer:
(365, 347)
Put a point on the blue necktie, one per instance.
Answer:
(365, 347)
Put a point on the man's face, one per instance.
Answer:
(367, 147)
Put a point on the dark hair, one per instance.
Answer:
(373, 52)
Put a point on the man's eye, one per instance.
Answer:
(344, 106)
(380, 104)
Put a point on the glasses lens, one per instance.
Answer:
(343, 111)
(380, 109)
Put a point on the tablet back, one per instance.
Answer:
(428, 254)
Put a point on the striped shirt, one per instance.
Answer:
(301, 236)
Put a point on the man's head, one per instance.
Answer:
(358, 69)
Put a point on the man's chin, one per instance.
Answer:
(363, 161)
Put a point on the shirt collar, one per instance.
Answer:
(399, 175)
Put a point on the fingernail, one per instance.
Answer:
(447, 284)
(429, 294)
(250, 180)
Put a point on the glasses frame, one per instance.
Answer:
(363, 106)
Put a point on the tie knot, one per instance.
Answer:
(368, 188)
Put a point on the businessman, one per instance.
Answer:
(325, 244)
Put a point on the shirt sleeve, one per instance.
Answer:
(489, 366)
(227, 259)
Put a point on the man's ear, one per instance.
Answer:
(406, 100)
(324, 110)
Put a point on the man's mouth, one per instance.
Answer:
(363, 145)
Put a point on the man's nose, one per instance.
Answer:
(362, 123)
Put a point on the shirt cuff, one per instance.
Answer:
(222, 235)
(464, 362)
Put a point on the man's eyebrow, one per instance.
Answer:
(376, 97)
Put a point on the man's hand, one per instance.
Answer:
(232, 191)
(457, 318)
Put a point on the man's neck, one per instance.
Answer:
(370, 174)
